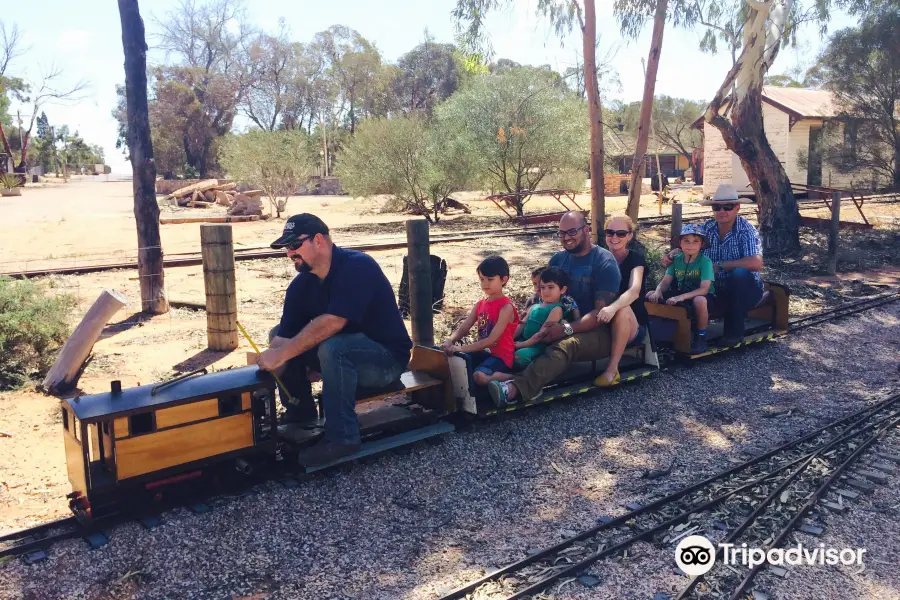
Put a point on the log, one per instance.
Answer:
(225, 187)
(204, 185)
(217, 249)
(63, 375)
(223, 199)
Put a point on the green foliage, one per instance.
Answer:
(567, 179)
(427, 74)
(861, 66)
(276, 162)
(9, 181)
(519, 126)
(33, 326)
(416, 162)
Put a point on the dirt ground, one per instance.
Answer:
(57, 225)
(86, 220)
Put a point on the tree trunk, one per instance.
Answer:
(6, 149)
(595, 110)
(779, 218)
(640, 151)
(897, 166)
(146, 210)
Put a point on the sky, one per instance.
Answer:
(84, 40)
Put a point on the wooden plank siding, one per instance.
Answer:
(75, 463)
(163, 449)
(187, 413)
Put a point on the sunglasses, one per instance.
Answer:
(620, 233)
(569, 232)
(295, 245)
(726, 207)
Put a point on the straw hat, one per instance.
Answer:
(726, 193)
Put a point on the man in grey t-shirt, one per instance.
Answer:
(595, 284)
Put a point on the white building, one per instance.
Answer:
(794, 121)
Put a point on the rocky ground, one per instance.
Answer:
(413, 524)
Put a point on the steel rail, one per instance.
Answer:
(813, 500)
(854, 419)
(843, 311)
(28, 531)
(589, 560)
(193, 258)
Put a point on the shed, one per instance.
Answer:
(794, 122)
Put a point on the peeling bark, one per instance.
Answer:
(738, 117)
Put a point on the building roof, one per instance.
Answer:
(801, 102)
(619, 143)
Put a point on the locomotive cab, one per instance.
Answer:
(143, 437)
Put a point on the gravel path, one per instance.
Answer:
(412, 524)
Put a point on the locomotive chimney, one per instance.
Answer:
(115, 387)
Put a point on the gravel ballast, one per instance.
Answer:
(415, 523)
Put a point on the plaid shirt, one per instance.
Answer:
(742, 241)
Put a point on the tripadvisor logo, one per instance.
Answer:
(696, 555)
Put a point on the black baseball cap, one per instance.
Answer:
(302, 224)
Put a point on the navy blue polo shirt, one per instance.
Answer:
(355, 289)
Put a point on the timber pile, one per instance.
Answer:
(210, 192)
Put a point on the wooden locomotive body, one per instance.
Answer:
(144, 437)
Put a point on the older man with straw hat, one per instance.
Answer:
(736, 254)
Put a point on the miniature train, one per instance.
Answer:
(133, 445)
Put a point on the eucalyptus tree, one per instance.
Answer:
(563, 15)
(519, 126)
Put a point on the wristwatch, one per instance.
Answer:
(567, 329)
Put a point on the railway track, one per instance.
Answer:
(661, 513)
(194, 258)
(668, 519)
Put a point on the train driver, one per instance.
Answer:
(340, 322)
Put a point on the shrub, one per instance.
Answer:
(33, 326)
(9, 181)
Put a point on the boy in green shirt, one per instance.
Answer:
(695, 283)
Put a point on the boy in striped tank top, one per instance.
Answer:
(496, 318)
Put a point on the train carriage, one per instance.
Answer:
(671, 325)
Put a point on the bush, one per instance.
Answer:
(33, 327)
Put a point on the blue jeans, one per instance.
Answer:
(737, 296)
(348, 361)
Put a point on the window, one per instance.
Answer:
(65, 419)
(229, 405)
(138, 424)
(851, 129)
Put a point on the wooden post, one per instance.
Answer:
(420, 309)
(218, 280)
(63, 375)
(676, 225)
(833, 232)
